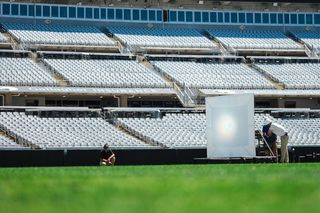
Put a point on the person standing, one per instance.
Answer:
(271, 139)
(280, 131)
(107, 157)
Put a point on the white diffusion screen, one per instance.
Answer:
(230, 126)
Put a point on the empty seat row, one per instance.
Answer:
(295, 75)
(254, 39)
(63, 132)
(110, 73)
(311, 38)
(162, 37)
(188, 130)
(214, 75)
(173, 130)
(58, 34)
(23, 71)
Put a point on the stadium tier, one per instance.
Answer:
(311, 38)
(162, 38)
(254, 39)
(214, 75)
(294, 75)
(58, 34)
(180, 130)
(173, 130)
(23, 71)
(106, 73)
(62, 132)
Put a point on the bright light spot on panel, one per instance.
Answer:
(227, 127)
(230, 126)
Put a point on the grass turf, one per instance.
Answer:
(180, 188)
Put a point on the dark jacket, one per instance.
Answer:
(271, 138)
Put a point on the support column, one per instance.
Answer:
(1, 100)
(8, 100)
(123, 101)
(42, 101)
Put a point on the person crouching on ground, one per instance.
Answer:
(107, 157)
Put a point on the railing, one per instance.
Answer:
(191, 95)
(232, 48)
(185, 95)
(224, 51)
(30, 83)
(180, 94)
(276, 80)
(311, 51)
(123, 49)
(138, 134)
(89, 84)
(18, 139)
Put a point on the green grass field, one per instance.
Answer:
(182, 188)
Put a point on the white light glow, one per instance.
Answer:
(227, 127)
(230, 126)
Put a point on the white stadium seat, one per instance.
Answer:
(66, 132)
(6, 143)
(108, 73)
(295, 75)
(58, 34)
(187, 130)
(23, 71)
(214, 75)
(162, 37)
(254, 39)
(312, 38)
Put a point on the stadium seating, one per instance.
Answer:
(107, 73)
(173, 130)
(162, 37)
(58, 34)
(311, 38)
(62, 132)
(6, 143)
(176, 130)
(2, 38)
(23, 71)
(175, 65)
(254, 39)
(302, 131)
(294, 75)
(214, 75)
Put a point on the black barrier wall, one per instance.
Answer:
(17, 158)
(20, 158)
